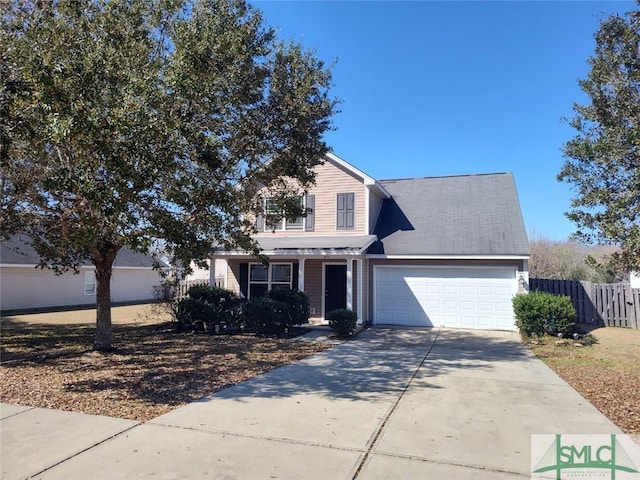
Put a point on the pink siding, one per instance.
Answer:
(233, 275)
(313, 286)
(366, 292)
(331, 180)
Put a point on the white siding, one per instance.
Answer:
(198, 273)
(133, 285)
(29, 288)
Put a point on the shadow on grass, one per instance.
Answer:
(24, 343)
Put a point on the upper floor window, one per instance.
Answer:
(273, 208)
(345, 211)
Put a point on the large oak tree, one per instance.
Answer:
(603, 159)
(128, 121)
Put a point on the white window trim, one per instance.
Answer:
(284, 221)
(269, 281)
(90, 280)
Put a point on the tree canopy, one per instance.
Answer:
(127, 121)
(569, 260)
(603, 159)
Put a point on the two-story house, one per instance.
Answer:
(441, 251)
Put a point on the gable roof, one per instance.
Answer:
(469, 215)
(366, 179)
(17, 251)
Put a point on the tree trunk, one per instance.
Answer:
(103, 338)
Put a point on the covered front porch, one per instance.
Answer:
(332, 277)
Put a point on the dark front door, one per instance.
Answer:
(335, 287)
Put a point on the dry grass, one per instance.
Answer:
(606, 373)
(46, 361)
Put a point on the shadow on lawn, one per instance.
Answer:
(151, 363)
(25, 343)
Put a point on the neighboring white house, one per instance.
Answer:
(23, 286)
(634, 279)
(218, 272)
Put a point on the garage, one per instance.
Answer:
(465, 297)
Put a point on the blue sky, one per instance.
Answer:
(449, 88)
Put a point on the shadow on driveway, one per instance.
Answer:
(382, 361)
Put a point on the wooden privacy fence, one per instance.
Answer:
(608, 304)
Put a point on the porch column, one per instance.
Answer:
(359, 264)
(349, 284)
(301, 274)
(224, 266)
(212, 272)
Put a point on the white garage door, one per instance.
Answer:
(451, 297)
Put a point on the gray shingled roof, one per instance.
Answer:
(16, 252)
(458, 215)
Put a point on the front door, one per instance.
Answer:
(335, 287)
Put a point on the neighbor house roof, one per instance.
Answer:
(320, 245)
(17, 251)
(470, 215)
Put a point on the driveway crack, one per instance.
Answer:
(391, 411)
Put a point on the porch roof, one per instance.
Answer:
(310, 245)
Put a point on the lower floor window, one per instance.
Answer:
(262, 279)
(89, 283)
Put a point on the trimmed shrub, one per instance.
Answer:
(296, 303)
(540, 313)
(205, 307)
(213, 295)
(343, 322)
(264, 316)
(190, 312)
(225, 305)
(275, 312)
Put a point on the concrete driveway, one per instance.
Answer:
(393, 403)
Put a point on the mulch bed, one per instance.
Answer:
(606, 373)
(153, 370)
(616, 394)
